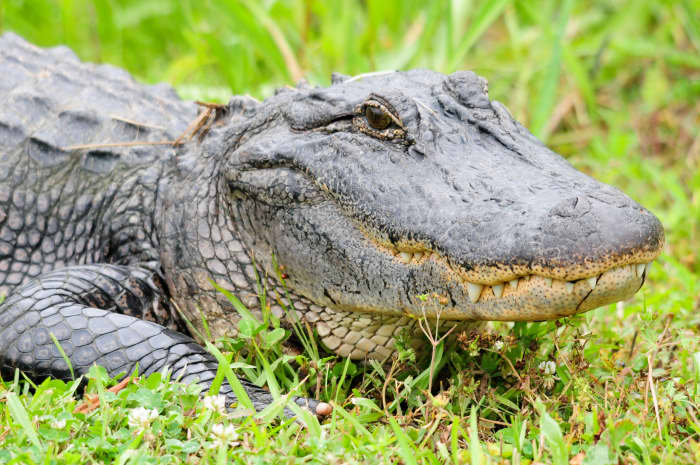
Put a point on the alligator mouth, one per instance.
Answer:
(362, 332)
(516, 293)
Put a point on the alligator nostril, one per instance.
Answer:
(572, 207)
(469, 89)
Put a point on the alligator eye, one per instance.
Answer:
(377, 118)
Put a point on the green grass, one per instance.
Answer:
(613, 86)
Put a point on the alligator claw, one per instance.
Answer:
(321, 409)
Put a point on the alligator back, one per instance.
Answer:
(64, 177)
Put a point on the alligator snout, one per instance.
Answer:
(588, 234)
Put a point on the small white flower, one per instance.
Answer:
(58, 424)
(498, 345)
(141, 418)
(223, 435)
(548, 367)
(215, 404)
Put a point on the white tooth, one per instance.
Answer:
(418, 255)
(640, 269)
(592, 281)
(498, 290)
(474, 291)
(548, 282)
(569, 287)
(647, 266)
(405, 257)
(513, 283)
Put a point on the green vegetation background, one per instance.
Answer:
(612, 85)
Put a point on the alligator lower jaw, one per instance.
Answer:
(361, 333)
(536, 298)
(527, 298)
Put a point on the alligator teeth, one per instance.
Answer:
(405, 257)
(497, 290)
(641, 267)
(548, 282)
(474, 291)
(569, 286)
(513, 283)
(592, 281)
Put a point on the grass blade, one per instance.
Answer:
(237, 304)
(232, 379)
(547, 93)
(485, 16)
(359, 428)
(583, 80)
(477, 454)
(406, 450)
(555, 440)
(19, 414)
(63, 354)
(696, 362)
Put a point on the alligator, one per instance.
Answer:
(365, 206)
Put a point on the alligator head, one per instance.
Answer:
(382, 188)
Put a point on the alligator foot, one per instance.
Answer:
(83, 308)
(262, 398)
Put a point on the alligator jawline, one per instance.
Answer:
(510, 298)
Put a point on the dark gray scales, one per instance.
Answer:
(62, 208)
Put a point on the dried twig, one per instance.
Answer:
(494, 422)
(387, 379)
(137, 123)
(4, 434)
(434, 341)
(193, 127)
(653, 394)
(119, 144)
(204, 121)
(91, 402)
(199, 126)
(650, 384)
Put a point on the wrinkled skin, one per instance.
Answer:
(362, 196)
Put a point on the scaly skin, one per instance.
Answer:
(367, 194)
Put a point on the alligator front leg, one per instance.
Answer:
(85, 308)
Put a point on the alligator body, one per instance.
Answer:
(368, 194)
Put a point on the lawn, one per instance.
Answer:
(612, 86)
